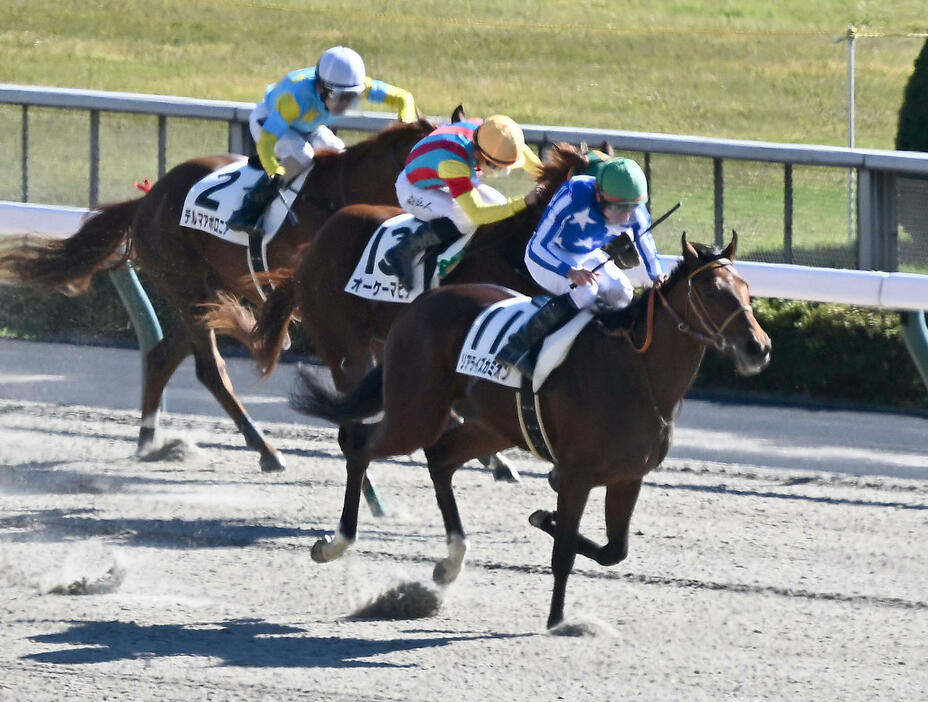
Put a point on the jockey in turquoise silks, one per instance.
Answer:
(290, 123)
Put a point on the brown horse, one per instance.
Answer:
(608, 410)
(347, 330)
(191, 268)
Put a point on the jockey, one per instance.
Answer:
(585, 213)
(290, 123)
(440, 184)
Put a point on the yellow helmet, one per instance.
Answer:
(501, 141)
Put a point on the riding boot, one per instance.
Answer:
(245, 218)
(398, 260)
(517, 352)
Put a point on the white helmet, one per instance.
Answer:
(341, 70)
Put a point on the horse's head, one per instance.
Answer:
(714, 305)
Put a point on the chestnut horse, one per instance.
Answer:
(346, 330)
(608, 410)
(191, 268)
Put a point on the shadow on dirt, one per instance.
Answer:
(239, 642)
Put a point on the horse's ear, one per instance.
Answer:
(607, 149)
(690, 255)
(458, 114)
(730, 250)
(584, 148)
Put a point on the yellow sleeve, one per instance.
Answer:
(394, 98)
(532, 163)
(265, 148)
(479, 212)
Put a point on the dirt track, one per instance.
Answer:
(742, 582)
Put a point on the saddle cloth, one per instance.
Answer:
(213, 199)
(371, 282)
(492, 329)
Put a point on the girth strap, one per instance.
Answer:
(533, 429)
(257, 263)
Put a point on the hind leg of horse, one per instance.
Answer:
(620, 503)
(456, 445)
(211, 371)
(351, 439)
(570, 503)
(160, 363)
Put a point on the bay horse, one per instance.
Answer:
(347, 330)
(608, 410)
(191, 268)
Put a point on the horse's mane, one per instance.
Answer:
(626, 317)
(384, 138)
(562, 161)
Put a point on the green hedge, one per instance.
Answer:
(831, 353)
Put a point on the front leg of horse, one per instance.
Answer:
(328, 548)
(503, 471)
(613, 552)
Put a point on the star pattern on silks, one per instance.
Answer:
(582, 217)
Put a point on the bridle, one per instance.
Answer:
(708, 333)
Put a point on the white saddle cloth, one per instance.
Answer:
(492, 329)
(370, 281)
(213, 199)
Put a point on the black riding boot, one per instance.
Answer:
(518, 350)
(245, 218)
(398, 260)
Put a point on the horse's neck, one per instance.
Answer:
(671, 362)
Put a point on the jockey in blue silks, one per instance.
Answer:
(585, 213)
(290, 123)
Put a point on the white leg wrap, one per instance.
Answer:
(329, 548)
(448, 569)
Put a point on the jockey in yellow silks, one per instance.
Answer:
(440, 184)
(290, 123)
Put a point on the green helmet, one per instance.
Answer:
(621, 180)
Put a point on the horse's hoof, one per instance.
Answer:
(318, 552)
(503, 472)
(445, 572)
(272, 463)
(540, 518)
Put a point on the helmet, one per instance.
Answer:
(622, 181)
(341, 70)
(501, 141)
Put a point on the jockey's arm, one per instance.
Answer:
(456, 175)
(646, 247)
(284, 112)
(393, 97)
(532, 164)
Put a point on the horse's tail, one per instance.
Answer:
(265, 337)
(317, 400)
(69, 264)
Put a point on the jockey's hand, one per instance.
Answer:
(580, 276)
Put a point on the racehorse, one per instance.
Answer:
(191, 268)
(608, 410)
(345, 329)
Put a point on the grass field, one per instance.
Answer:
(733, 68)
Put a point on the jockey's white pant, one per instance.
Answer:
(293, 150)
(431, 203)
(611, 286)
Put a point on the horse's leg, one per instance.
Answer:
(160, 363)
(620, 503)
(351, 439)
(502, 470)
(211, 371)
(458, 444)
(570, 503)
